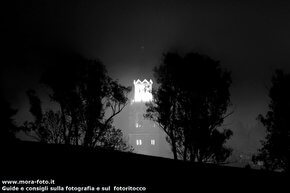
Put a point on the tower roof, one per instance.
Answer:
(145, 81)
(143, 90)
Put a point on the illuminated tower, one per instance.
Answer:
(142, 91)
(144, 135)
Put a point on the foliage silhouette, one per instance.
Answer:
(275, 151)
(88, 101)
(8, 128)
(190, 105)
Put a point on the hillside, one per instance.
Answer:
(78, 166)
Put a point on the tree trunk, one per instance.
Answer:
(174, 149)
(76, 134)
(90, 125)
(192, 154)
(185, 152)
(173, 143)
(64, 125)
(88, 136)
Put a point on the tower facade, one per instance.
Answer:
(144, 134)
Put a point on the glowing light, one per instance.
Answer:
(152, 141)
(143, 91)
(139, 142)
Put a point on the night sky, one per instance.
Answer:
(250, 38)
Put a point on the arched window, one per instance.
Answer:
(139, 142)
(152, 141)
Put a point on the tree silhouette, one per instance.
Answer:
(8, 128)
(275, 151)
(35, 128)
(88, 101)
(190, 105)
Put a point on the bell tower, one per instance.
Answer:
(144, 135)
